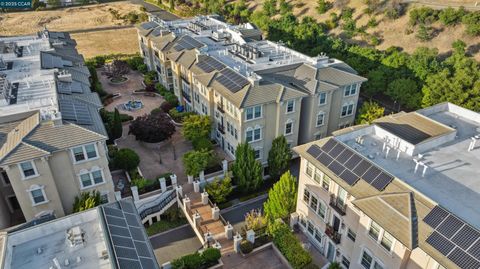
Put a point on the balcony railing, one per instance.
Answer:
(221, 128)
(220, 108)
(156, 205)
(332, 234)
(187, 97)
(338, 205)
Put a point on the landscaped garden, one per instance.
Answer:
(172, 218)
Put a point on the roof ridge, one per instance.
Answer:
(35, 147)
(78, 126)
(13, 138)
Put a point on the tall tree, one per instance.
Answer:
(368, 112)
(116, 128)
(196, 126)
(406, 92)
(247, 171)
(86, 200)
(196, 161)
(282, 198)
(152, 128)
(126, 159)
(219, 189)
(279, 157)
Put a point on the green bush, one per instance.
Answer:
(451, 16)
(472, 23)
(140, 182)
(202, 143)
(246, 247)
(126, 159)
(161, 89)
(211, 256)
(178, 116)
(290, 246)
(143, 68)
(423, 15)
(171, 98)
(135, 62)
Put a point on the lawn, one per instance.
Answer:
(165, 225)
(107, 42)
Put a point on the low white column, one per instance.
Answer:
(237, 239)
(215, 213)
(204, 198)
(251, 236)
(163, 184)
(196, 186)
(202, 176)
(225, 167)
(196, 219)
(190, 179)
(173, 177)
(293, 219)
(179, 190)
(208, 237)
(135, 193)
(229, 231)
(186, 203)
(118, 196)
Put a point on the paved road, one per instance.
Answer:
(237, 214)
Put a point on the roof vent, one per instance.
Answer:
(75, 237)
(64, 76)
(321, 60)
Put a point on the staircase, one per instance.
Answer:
(156, 205)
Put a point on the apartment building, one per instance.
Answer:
(255, 90)
(399, 193)
(52, 144)
(106, 237)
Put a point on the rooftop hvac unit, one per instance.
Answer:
(75, 236)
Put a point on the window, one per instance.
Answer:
(345, 262)
(318, 235)
(322, 98)
(350, 90)
(5, 178)
(326, 183)
(83, 153)
(318, 176)
(104, 198)
(257, 154)
(89, 179)
(351, 234)
(28, 169)
(309, 169)
(387, 241)
(322, 208)
(320, 119)
(374, 230)
(290, 106)
(253, 112)
(367, 260)
(288, 128)
(253, 135)
(347, 110)
(310, 227)
(37, 194)
(306, 196)
(314, 203)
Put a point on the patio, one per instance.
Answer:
(317, 256)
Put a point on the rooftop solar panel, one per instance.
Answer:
(314, 151)
(361, 168)
(349, 177)
(371, 174)
(336, 167)
(465, 237)
(344, 156)
(475, 249)
(382, 181)
(339, 148)
(440, 243)
(325, 159)
(122, 241)
(435, 216)
(210, 64)
(232, 80)
(450, 226)
(463, 259)
(329, 145)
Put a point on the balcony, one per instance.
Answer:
(221, 128)
(332, 234)
(338, 205)
(220, 108)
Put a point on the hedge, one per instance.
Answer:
(207, 258)
(290, 246)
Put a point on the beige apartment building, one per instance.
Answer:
(399, 193)
(254, 90)
(53, 142)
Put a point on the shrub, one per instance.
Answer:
(191, 261)
(152, 128)
(126, 159)
(211, 256)
(171, 98)
(178, 116)
(246, 247)
(451, 16)
(202, 143)
(150, 78)
(334, 265)
(423, 15)
(289, 246)
(374, 41)
(219, 189)
(143, 68)
(472, 23)
(134, 62)
(140, 182)
(160, 89)
(86, 200)
(254, 220)
(196, 161)
(372, 23)
(323, 6)
(166, 106)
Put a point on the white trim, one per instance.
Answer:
(84, 151)
(289, 121)
(323, 119)
(34, 169)
(253, 113)
(374, 259)
(286, 106)
(326, 98)
(34, 188)
(347, 105)
(90, 174)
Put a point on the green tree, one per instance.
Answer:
(86, 200)
(451, 16)
(270, 7)
(116, 128)
(284, 7)
(406, 92)
(368, 112)
(219, 190)
(423, 33)
(279, 157)
(126, 159)
(282, 198)
(323, 6)
(254, 220)
(334, 265)
(196, 126)
(196, 161)
(472, 23)
(247, 171)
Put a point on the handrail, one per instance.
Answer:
(157, 206)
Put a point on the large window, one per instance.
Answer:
(381, 236)
(28, 169)
(374, 230)
(309, 169)
(320, 119)
(306, 196)
(83, 153)
(257, 153)
(350, 90)
(314, 203)
(326, 183)
(253, 135)
(347, 110)
(290, 106)
(37, 194)
(92, 178)
(253, 112)
(288, 128)
(322, 98)
(345, 262)
(370, 262)
(322, 209)
(351, 234)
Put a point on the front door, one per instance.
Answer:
(336, 223)
(12, 200)
(330, 251)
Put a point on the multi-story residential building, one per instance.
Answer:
(106, 237)
(254, 89)
(52, 137)
(399, 193)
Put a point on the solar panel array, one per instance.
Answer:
(348, 165)
(128, 237)
(232, 80)
(454, 238)
(188, 43)
(210, 64)
(149, 25)
(77, 112)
